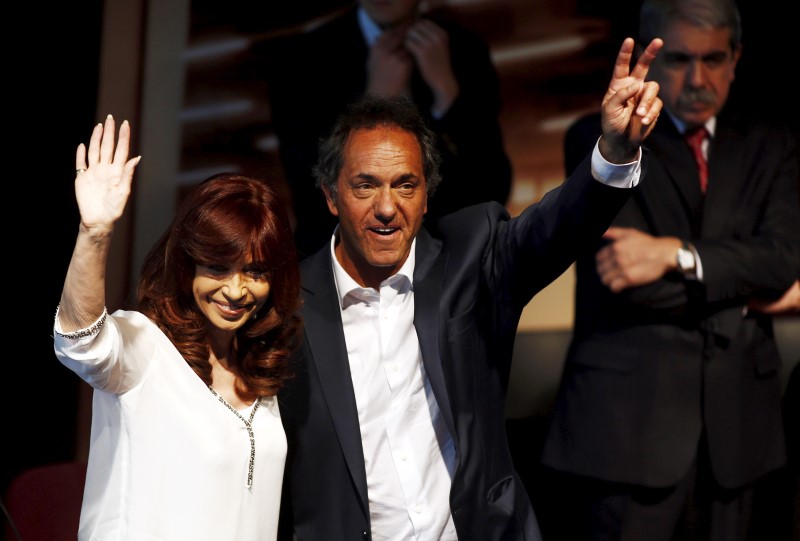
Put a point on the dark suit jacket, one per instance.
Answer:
(474, 274)
(315, 75)
(652, 368)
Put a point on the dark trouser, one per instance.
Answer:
(696, 509)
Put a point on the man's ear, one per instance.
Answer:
(330, 199)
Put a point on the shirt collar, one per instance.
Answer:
(345, 285)
(711, 124)
(369, 28)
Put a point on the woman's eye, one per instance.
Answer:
(257, 273)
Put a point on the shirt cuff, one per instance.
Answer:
(624, 175)
(85, 346)
(698, 265)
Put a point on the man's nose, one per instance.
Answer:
(697, 73)
(385, 204)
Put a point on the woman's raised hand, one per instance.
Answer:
(103, 176)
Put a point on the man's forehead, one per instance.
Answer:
(682, 34)
(385, 129)
(382, 139)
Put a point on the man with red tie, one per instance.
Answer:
(669, 410)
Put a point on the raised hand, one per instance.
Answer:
(102, 184)
(103, 177)
(631, 105)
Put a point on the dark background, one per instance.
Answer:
(52, 80)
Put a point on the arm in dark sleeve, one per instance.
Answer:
(579, 140)
(765, 260)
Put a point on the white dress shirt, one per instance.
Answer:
(408, 453)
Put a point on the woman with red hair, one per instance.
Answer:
(186, 440)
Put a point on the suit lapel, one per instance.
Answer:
(676, 159)
(708, 214)
(323, 323)
(725, 167)
(429, 274)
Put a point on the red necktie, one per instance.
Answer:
(695, 138)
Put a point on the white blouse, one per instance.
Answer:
(168, 461)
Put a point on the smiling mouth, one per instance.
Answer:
(232, 309)
(384, 230)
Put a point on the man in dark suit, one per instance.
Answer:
(669, 409)
(389, 48)
(395, 418)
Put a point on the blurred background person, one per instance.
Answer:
(669, 409)
(389, 48)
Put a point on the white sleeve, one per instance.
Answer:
(617, 175)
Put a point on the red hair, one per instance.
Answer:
(227, 218)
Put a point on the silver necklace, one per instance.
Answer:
(248, 424)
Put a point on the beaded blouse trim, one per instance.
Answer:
(248, 424)
(82, 333)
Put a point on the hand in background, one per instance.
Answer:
(788, 304)
(430, 46)
(634, 258)
(389, 65)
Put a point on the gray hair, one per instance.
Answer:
(655, 15)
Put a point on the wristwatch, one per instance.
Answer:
(686, 261)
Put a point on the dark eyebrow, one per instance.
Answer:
(372, 178)
(406, 176)
(365, 176)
